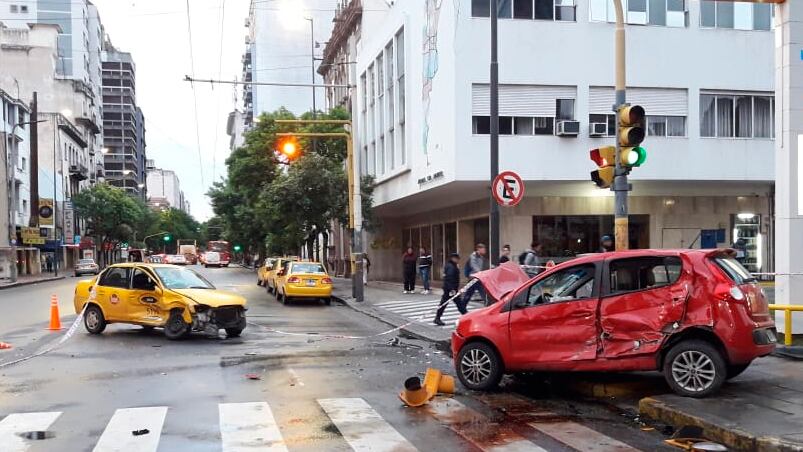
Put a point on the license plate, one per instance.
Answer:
(311, 282)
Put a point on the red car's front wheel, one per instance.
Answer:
(478, 366)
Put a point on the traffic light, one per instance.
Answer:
(237, 248)
(632, 130)
(167, 238)
(604, 157)
(289, 147)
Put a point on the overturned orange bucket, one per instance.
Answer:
(436, 382)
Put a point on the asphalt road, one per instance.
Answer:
(313, 393)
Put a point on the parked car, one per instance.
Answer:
(303, 280)
(212, 259)
(175, 259)
(696, 315)
(86, 267)
(264, 269)
(271, 275)
(157, 295)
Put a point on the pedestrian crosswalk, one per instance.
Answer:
(424, 310)
(252, 426)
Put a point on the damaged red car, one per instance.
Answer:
(696, 315)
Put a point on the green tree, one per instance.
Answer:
(111, 214)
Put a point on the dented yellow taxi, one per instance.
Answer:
(177, 299)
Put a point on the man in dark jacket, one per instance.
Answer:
(451, 282)
(408, 269)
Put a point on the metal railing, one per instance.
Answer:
(787, 309)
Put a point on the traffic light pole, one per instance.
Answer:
(355, 194)
(620, 185)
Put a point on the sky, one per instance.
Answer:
(155, 32)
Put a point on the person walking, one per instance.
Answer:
(475, 264)
(424, 268)
(531, 260)
(505, 256)
(605, 244)
(451, 282)
(366, 266)
(408, 268)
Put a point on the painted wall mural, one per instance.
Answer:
(430, 60)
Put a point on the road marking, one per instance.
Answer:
(14, 424)
(118, 434)
(248, 427)
(477, 428)
(581, 437)
(362, 427)
(296, 379)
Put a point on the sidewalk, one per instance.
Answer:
(385, 302)
(28, 279)
(760, 410)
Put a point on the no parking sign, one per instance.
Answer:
(507, 189)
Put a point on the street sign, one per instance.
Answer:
(507, 189)
(31, 236)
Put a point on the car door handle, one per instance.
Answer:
(148, 299)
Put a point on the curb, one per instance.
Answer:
(29, 283)
(728, 435)
(413, 330)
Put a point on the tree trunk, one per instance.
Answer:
(326, 250)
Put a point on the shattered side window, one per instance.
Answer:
(566, 285)
(630, 275)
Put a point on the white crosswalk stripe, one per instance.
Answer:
(119, 434)
(248, 427)
(362, 427)
(413, 309)
(251, 426)
(13, 425)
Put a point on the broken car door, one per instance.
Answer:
(555, 319)
(642, 300)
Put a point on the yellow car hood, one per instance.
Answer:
(212, 298)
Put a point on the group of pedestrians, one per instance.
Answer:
(420, 265)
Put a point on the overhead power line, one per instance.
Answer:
(195, 97)
(190, 79)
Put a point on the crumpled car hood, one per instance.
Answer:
(502, 279)
(211, 297)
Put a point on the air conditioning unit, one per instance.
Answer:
(597, 129)
(570, 128)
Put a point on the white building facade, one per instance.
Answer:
(164, 189)
(702, 70)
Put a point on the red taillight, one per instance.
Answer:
(293, 280)
(326, 281)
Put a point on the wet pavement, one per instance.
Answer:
(132, 388)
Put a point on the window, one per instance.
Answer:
(12, 8)
(481, 125)
(523, 9)
(666, 126)
(116, 277)
(23, 163)
(563, 10)
(735, 271)
(629, 275)
(571, 284)
(141, 280)
(505, 125)
(522, 126)
(570, 235)
(564, 109)
(24, 9)
(738, 15)
(481, 8)
(544, 125)
(610, 120)
(400, 90)
(739, 116)
(670, 13)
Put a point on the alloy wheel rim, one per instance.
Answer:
(693, 371)
(476, 366)
(92, 319)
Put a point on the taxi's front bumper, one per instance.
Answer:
(218, 318)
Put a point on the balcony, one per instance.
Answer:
(79, 172)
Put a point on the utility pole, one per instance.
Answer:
(312, 60)
(493, 248)
(620, 186)
(34, 161)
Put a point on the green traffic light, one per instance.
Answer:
(634, 156)
(167, 238)
(642, 155)
(237, 248)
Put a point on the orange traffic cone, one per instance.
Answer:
(4, 345)
(55, 319)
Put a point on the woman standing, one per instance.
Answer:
(408, 267)
(424, 268)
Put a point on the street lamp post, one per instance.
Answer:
(493, 249)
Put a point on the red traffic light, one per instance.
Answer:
(289, 147)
